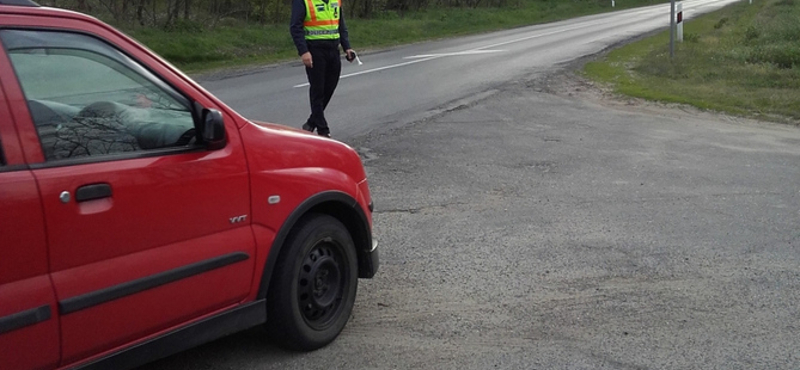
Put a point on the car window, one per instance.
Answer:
(88, 99)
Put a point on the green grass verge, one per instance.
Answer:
(743, 60)
(226, 46)
(195, 48)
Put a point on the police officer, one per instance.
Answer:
(318, 28)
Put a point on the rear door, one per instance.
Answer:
(138, 216)
(28, 312)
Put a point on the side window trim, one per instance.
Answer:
(20, 167)
(115, 157)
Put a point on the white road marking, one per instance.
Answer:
(378, 69)
(458, 53)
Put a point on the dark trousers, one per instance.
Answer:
(323, 78)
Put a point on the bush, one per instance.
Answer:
(721, 23)
(783, 55)
(751, 33)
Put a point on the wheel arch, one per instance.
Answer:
(334, 203)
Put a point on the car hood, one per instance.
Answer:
(271, 146)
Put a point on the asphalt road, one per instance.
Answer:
(532, 226)
(402, 85)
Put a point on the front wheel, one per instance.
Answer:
(314, 287)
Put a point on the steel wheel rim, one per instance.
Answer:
(321, 285)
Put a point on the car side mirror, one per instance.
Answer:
(213, 129)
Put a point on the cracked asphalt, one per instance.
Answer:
(537, 229)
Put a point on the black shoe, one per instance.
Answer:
(327, 134)
(308, 127)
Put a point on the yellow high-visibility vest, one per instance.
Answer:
(322, 19)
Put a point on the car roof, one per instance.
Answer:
(19, 3)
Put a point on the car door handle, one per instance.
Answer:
(92, 192)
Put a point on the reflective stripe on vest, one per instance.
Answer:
(321, 32)
(322, 20)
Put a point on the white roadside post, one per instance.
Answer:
(680, 22)
(612, 3)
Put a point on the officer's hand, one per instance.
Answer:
(306, 58)
(350, 55)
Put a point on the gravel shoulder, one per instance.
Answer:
(552, 224)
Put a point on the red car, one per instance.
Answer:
(141, 216)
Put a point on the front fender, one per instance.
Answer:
(345, 208)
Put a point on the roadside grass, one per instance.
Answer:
(743, 60)
(225, 46)
(194, 47)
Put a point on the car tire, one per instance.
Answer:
(314, 285)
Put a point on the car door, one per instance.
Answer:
(28, 312)
(145, 226)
